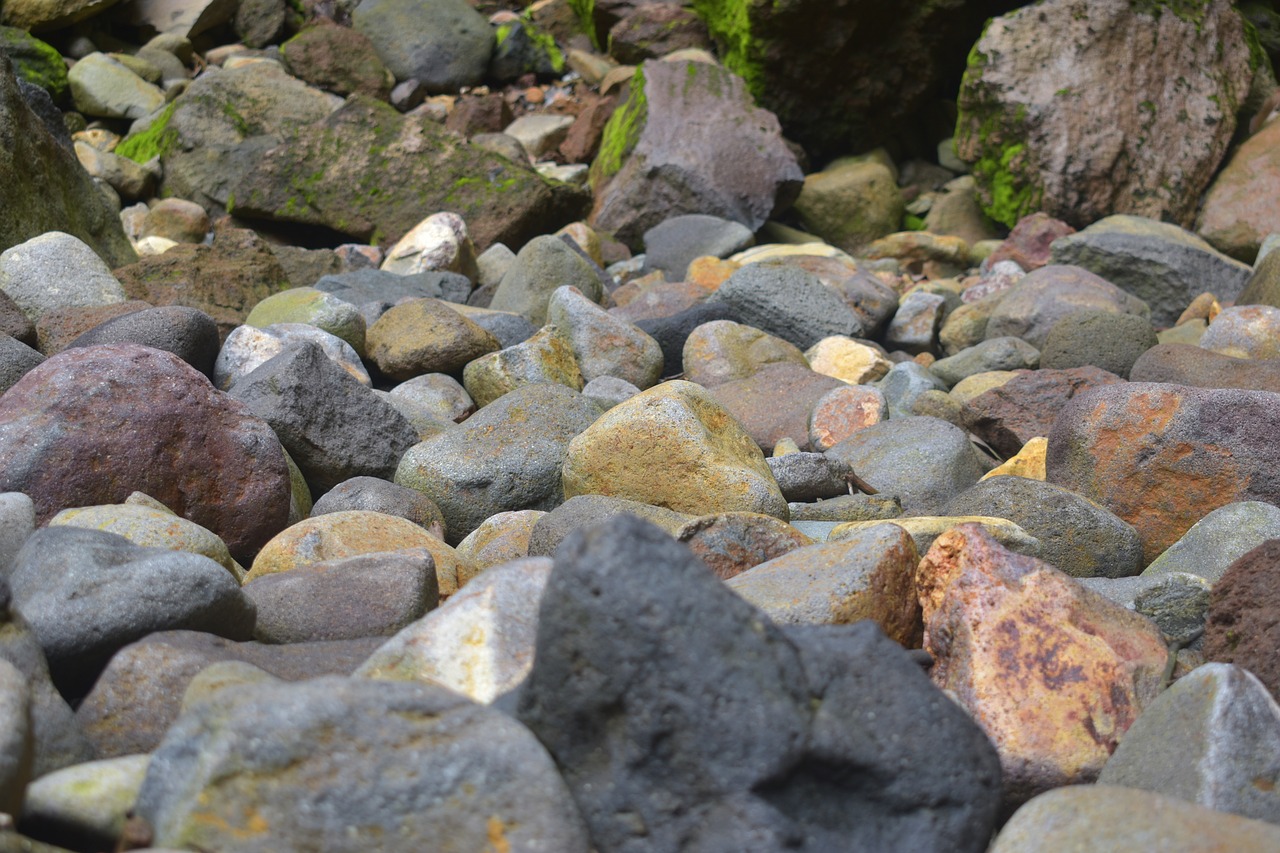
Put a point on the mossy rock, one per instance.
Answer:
(34, 61)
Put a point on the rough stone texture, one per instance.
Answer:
(1159, 263)
(1244, 331)
(554, 527)
(333, 427)
(848, 360)
(480, 643)
(1070, 110)
(604, 345)
(1213, 738)
(1007, 353)
(1176, 601)
(1102, 339)
(1106, 817)
(914, 327)
(775, 403)
(1028, 244)
(188, 333)
(500, 538)
(56, 270)
(44, 188)
(1163, 456)
(426, 336)
(868, 576)
(371, 595)
(673, 446)
(1241, 627)
(841, 412)
(443, 44)
(312, 307)
(140, 692)
(809, 477)
(923, 461)
(403, 765)
(689, 139)
(730, 543)
(373, 494)
(17, 744)
(1219, 539)
(545, 358)
(1037, 302)
(850, 203)
(1077, 536)
(16, 361)
(703, 726)
(1184, 364)
(1235, 217)
(722, 351)
(788, 302)
(1054, 674)
(677, 241)
(924, 530)
(507, 456)
(170, 435)
(543, 265)
(246, 349)
(1025, 407)
(339, 60)
(87, 593)
(672, 331)
(103, 87)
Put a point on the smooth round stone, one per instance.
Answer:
(1035, 304)
(730, 543)
(425, 420)
(992, 354)
(17, 522)
(188, 333)
(841, 412)
(439, 243)
(776, 402)
(371, 494)
(608, 391)
(586, 510)
(1219, 539)
(314, 308)
(90, 801)
(438, 393)
(56, 270)
(1245, 331)
(106, 88)
(425, 336)
(673, 446)
(176, 219)
(721, 351)
(480, 643)
(247, 348)
(1100, 338)
(500, 538)
(546, 358)
(604, 345)
(847, 360)
(1184, 364)
(543, 265)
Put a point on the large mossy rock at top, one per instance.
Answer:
(44, 188)
(844, 76)
(370, 173)
(1082, 110)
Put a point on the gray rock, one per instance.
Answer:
(914, 327)
(17, 741)
(903, 385)
(1220, 538)
(604, 345)
(247, 348)
(17, 522)
(608, 391)
(673, 332)
(587, 510)
(923, 461)
(674, 243)
(807, 477)
(507, 456)
(377, 495)
(16, 360)
(1008, 353)
(1099, 338)
(1077, 536)
(543, 265)
(789, 303)
(703, 726)
(1177, 602)
(371, 595)
(57, 270)
(1159, 263)
(103, 87)
(333, 427)
(87, 593)
(444, 44)
(374, 291)
(351, 764)
(87, 803)
(856, 507)
(1040, 299)
(188, 333)
(1212, 738)
(438, 393)
(508, 327)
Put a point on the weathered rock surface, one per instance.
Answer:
(1241, 627)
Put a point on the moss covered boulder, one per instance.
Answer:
(1084, 110)
(34, 61)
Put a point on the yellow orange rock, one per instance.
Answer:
(847, 360)
(925, 529)
(500, 538)
(1028, 462)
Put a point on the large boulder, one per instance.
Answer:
(443, 44)
(1082, 111)
(44, 188)
(1236, 215)
(688, 139)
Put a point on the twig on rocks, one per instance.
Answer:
(856, 482)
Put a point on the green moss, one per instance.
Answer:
(240, 122)
(1013, 194)
(548, 45)
(35, 61)
(586, 12)
(621, 132)
(1191, 11)
(911, 222)
(1257, 55)
(729, 23)
(156, 141)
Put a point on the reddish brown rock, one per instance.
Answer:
(732, 542)
(1163, 456)
(583, 139)
(1239, 209)
(841, 412)
(95, 424)
(776, 402)
(1028, 243)
(58, 327)
(479, 114)
(1184, 364)
(1053, 673)
(655, 298)
(1243, 626)
(1025, 407)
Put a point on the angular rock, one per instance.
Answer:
(688, 139)
(1159, 263)
(1038, 301)
(1219, 539)
(1028, 244)
(841, 412)
(246, 349)
(507, 456)
(426, 336)
(848, 360)
(1163, 456)
(730, 543)
(16, 361)
(1177, 602)
(1241, 627)
(672, 446)
(914, 328)
(904, 384)
(602, 344)
(1073, 669)
(543, 265)
(1067, 110)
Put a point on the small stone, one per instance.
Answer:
(914, 328)
(1027, 462)
(1245, 331)
(848, 360)
(373, 494)
(841, 412)
(439, 393)
(90, 800)
(500, 538)
(721, 351)
(545, 358)
(807, 477)
(246, 349)
(439, 243)
(426, 336)
(314, 308)
(730, 543)
(993, 354)
(602, 344)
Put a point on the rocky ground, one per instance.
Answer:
(628, 426)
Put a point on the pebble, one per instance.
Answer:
(544, 359)
(848, 360)
(722, 351)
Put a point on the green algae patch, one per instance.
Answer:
(585, 10)
(35, 61)
(729, 23)
(621, 132)
(156, 141)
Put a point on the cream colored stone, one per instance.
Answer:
(1028, 462)
(925, 529)
(847, 360)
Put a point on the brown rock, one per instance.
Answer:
(732, 542)
(58, 327)
(1028, 243)
(654, 30)
(1034, 305)
(776, 402)
(1184, 364)
(1243, 626)
(14, 322)
(1053, 673)
(869, 576)
(339, 60)
(722, 351)
(1163, 456)
(841, 412)
(95, 424)
(139, 694)
(1026, 406)
(425, 336)
(474, 114)
(583, 139)
(1237, 214)
(654, 298)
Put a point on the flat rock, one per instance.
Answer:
(1185, 364)
(849, 360)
